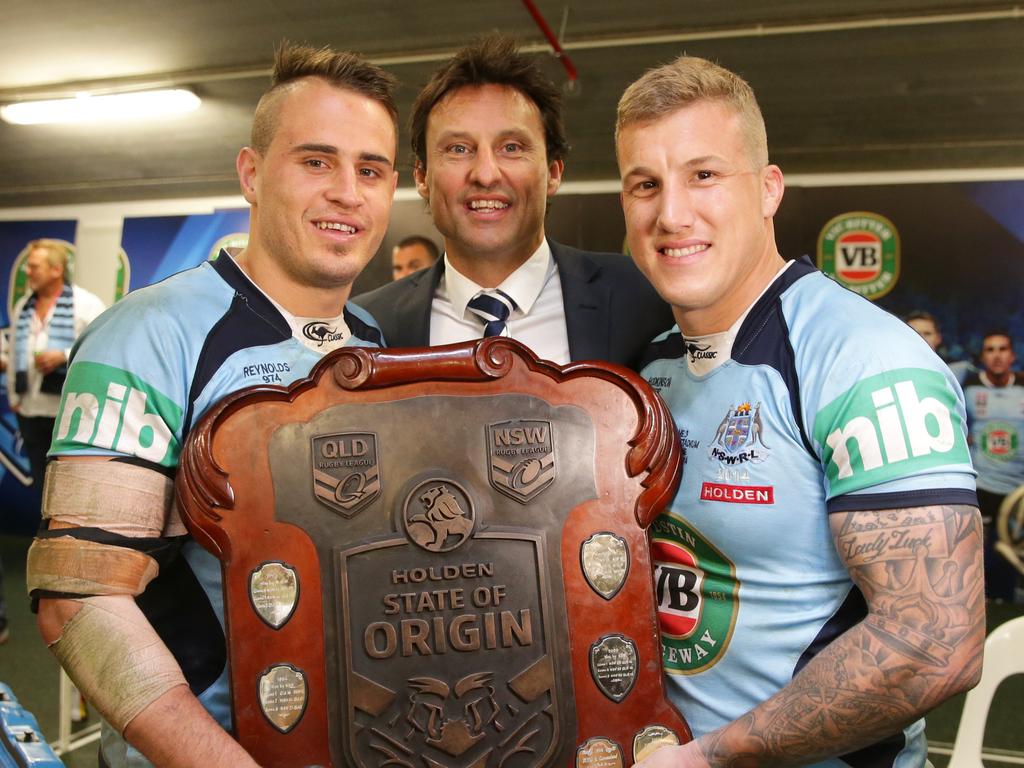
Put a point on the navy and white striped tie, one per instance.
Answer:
(493, 307)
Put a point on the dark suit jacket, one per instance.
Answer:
(611, 311)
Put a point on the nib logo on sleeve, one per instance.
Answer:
(889, 426)
(108, 408)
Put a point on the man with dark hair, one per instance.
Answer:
(818, 571)
(927, 327)
(129, 604)
(412, 254)
(995, 418)
(490, 149)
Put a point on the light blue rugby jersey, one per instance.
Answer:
(995, 420)
(140, 377)
(828, 404)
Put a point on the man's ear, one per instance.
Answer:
(555, 170)
(419, 175)
(773, 187)
(247, 165)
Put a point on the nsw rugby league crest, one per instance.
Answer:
(739, 434)
(346, 475)
(521, 457)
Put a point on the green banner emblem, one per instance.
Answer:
(697, 596)
(861, 251)
(111, 409)
(888, 426)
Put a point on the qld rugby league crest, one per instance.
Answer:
(861, 251)
(521, 457)
(346, 475)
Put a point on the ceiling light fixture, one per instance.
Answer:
(135, 105)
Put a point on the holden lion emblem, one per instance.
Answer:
(522, 458)
(438, 515)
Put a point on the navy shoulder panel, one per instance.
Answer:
(668, 347)
(251, 321)
(763, 339)
(362, 329)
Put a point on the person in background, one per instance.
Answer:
(819, 570)
(995, 418)
(927, 327)
(46, 322)
(490, 150)
(412, 254)
(129, 604)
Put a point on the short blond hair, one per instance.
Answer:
(56, 252)
(687, 80)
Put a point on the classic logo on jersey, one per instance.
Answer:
(322, 333)
(890, 425)
(697, 596)
(109, 408)
(522, 458)
(740, 436)
(700, 351)
(999, 441)
(861, 251)
(346, 476)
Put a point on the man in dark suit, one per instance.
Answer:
(490, 149)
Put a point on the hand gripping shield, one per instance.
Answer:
(438, 559)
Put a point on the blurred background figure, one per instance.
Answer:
(927, 327)
(411, 255)
(995, 421)
(46, 322)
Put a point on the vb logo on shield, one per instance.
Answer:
(522, 458)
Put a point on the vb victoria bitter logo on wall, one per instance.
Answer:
(861, 251)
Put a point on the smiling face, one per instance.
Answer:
(698, 212)
(487, 179)
(321, 193)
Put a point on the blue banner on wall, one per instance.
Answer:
(159, 246)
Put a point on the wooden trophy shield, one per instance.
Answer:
(438, 559)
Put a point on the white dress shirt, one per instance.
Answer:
(537, 321)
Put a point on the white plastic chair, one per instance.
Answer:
(1004, 656)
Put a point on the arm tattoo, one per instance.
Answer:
(920, 571)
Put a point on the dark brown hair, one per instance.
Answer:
(339, 68)
(492, 60)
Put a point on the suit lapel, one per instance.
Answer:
(586, 299)
(412, 311)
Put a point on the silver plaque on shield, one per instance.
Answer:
(651, 739)
(599, 752)
(274, 592)
(283, 696)
(605, 561)
(613, 665)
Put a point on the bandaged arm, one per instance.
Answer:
(86, 587)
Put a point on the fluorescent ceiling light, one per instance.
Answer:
(137, 105)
